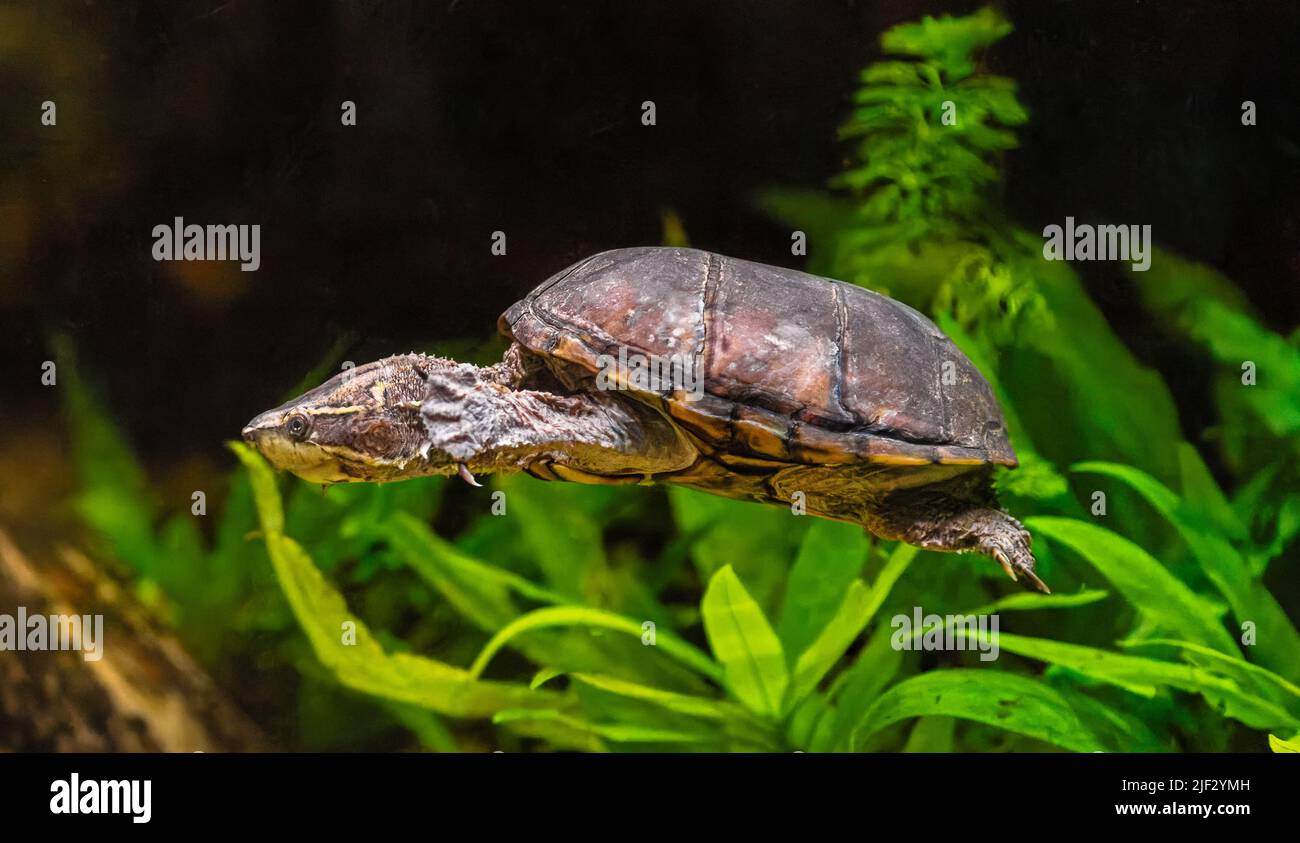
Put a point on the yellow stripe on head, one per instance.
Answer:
(332, 411)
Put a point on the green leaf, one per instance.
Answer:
(1118, 730)
(1090, 395)
(462, 580)
(482, 593)
(1031, 600)
(346, 647)
(1202, 495)
(1251, 678)
(637, 704)
(931, 734)
(267, 498)
(1173, 283)
(427, 726)
(1250, 601)
(1138, 676)
(1233, 337)
(1156, 493)
(543, 676)
(364, 666)
(743, 642)
(678, 703)
(948, 41)
(1143, 581)
(829, 561)
(743, 534)
(115, 499)
(1004, 700)
(561, 533)
(552, 726)
(1144, 676)
(1251, 495)
(855, 612)
(1284, 527)
(598, 619)
(835, 638)
(857, 688)
(1278, 745)
(892, 73)
(479, 591)
(616, 732)
(1035, 477)
(807, 726)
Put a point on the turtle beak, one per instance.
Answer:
(302, 458)
(259, 425)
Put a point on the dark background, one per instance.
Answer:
(479, 116)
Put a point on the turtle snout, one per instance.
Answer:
(257, 428)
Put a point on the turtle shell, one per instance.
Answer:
(794, 368)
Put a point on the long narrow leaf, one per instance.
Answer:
(1278, 642)
(346, 647)
(856, 611)
(1142, 580)
(617, 732)
(744, 643)
(1004, 700)
(1144, 677)
(830, 559)
(858, 687)
(674, 702)
(553, 616)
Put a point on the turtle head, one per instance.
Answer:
(363, 424)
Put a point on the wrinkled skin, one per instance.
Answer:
(413, 415)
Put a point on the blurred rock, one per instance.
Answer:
(145, 695)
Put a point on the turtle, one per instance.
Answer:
(675, 365)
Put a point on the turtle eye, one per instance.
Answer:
(297, 427)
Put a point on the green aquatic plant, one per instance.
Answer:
(928, 129)
(787, 684)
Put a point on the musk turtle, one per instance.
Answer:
(681, 366)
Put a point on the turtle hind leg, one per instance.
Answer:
(961, 518)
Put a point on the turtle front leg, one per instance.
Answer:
(936, 521)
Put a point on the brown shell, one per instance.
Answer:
(796, 368)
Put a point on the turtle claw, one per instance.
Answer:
(1017, 570)
(467, 475)
(1006, 564)
(1037, 583)
(1022, 570)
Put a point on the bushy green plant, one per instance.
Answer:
(928, 130)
